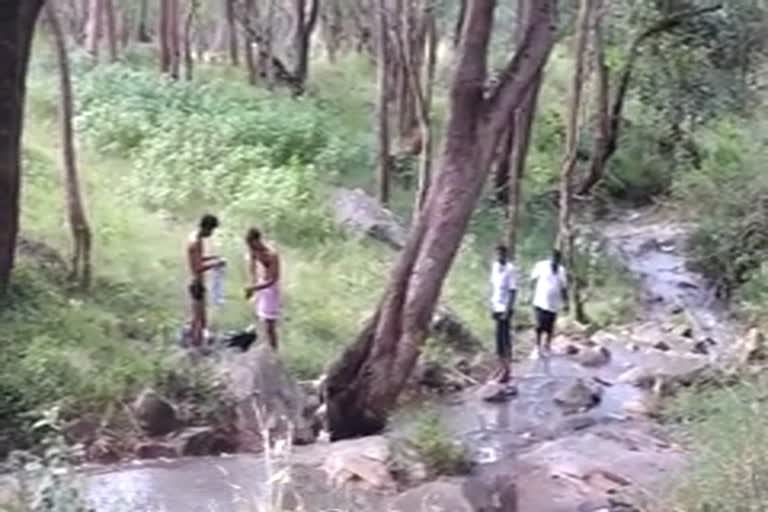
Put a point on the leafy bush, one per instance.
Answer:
(441, 453)
(729, 195)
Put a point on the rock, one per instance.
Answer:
(578, 396)
(751, 349)
(571, 350)
(259, 382)
(443, 496)
(155, 450)
(496, 393)
(103, 451)
(156, 416)
(639, 376)
(593, 357)
(449, 330)
(684, 331)
(361, 215)
(365, 460)
(701, 348)
(202, 441)
(662, 345)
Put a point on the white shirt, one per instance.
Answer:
(503, 279)
(548, 294)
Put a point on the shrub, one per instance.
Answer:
(441, 453)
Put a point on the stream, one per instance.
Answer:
(583, 462)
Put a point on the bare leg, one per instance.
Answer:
(197, 327)
(270, 326)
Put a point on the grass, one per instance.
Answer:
(727, 430)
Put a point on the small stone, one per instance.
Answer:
(662, 345)
(156, 416)
(594, 357)
(578, 396)
(701, 348)
(496, 393)
(571, 350)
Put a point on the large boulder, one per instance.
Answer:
(268, 398)
(155, 415)
(365, 461)
(361, 215)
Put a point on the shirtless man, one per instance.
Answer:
(264, 270)
(199, 264)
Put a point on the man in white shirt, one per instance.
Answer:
(503, 294)
(550, 294)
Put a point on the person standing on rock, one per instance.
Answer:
(199, 264)
(503, 295)
(550, 294)
(264, 271)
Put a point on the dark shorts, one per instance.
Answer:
(197, 291)
(545, 320)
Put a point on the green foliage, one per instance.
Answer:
(442, 454)
(728, 430)
(729, 195)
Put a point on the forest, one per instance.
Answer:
(385, 149)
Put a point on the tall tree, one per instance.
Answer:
(610, 110)
(332, 18)
(249, 14)
(306, 21)
(110, 23)
(164, 36)
(189, 24)
(234, 53)
(78, 222)
(383, 159)
(142, 32)
(565, 228)
(364, 384)
(95, 27)
(17, 26)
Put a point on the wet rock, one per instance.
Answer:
(155, 415)
(701, 348)
(571, 349)
(267, 398)
(576, 423)
(202, 441)
(365, 461)
(578, 396)
(363, 216)
(593, 357)
(639, 376)
(662, 345)
(445, 496)
(104, 451)
(495, 392)
(155, 450)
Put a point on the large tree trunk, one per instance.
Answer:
(459, 23)
(78, 223)
(565, 231)
(17, 26)
(383, 160)
(364, 384)
(110, 23)
(95, 27)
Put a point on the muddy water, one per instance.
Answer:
(554, 455)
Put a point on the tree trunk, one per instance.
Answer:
(523, 128)
(250, 60)
(142, 34)
(95, 27)
(459, 23)
(174, 38)
(333, 28)
(425, 105)
(305, 27)
(17, 26)
(234, 54)
(78, 223)
(269, 52)
(164, 36)
(606, 142)
(189, 61)
(565, 231)
(364, 384)
(383, 160)
(111, 26)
